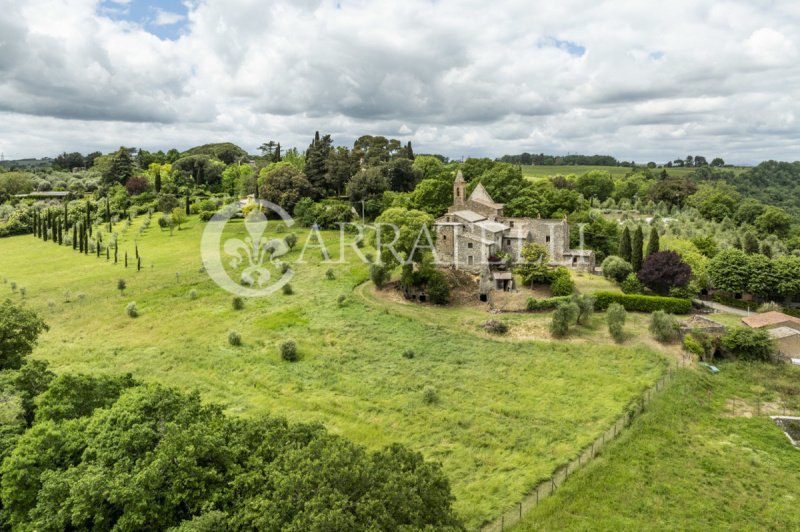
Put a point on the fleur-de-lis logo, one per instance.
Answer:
(255, 252)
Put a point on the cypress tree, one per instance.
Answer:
(637, 245)
(108, 253)
(116, 252)
(46, 227)
(276, 157)
(66, 215)
(126, 259)
(98, 249)
(188, 205)
(74, 236)
(136, 248)
(653, 244)
(33, 222)
(158, 182)
(139, 264)
(625, 245)
(749, 243)
(108, 210)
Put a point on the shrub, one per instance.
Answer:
(206, 216)
(559, 326)
(408, 353)
(546, 304)
(289, 351)
(562, 284)
(121, 285)
(237, 303)
(615, 317)
(429, 395)
(192, 294)
(341, 299)
(632, 284)
(378, 275)
(23, 292)
(330, 275)
(495, 327)
(616, 268)
(691, 344)
(291, 240)
(640, 303)
(574, 313)
(234, 338)
(663, 326)
(438, 289)
(748, 344)
(770, 306)
(585, 303)
(287, 289)
(131, 310)
(284, 267)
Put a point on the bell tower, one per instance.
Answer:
(459, 190)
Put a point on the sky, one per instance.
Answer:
(640, 80)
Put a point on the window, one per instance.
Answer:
(469, 260)
(444, 237)
(512, 223)
(469, 245)
(508, 241)
(547, 239)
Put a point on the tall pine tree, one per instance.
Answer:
(637, 246)
(625, 245)
(653, 243)
(316, 168)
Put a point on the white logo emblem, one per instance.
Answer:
(256, 253)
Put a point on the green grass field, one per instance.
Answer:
(510, 409)
(705, 456)
(615, 171)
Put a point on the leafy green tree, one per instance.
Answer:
(561, 320)
(367, 186)
(595, 184)
(433, 196)
(748, 210)
(562, 283)
(437, 288)
(529, 203)
(749, 243)
(706, 245)
(787, 269)
(534, 268)
(30, 381)
(763, 280)
(401, 175)
(284, 185)
(411, 226)
(748, 344)
(672, 190)
(730, 271)
(637, 248)
(625, 245)
(430, 167)
(120, 169)
(652, 242)
(715, 202)
(316, 168)
(502, 181)
(72, 396)
(19, 330)
(178, 216)
(663, 326)
(775, 221)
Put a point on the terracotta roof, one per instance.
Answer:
(766, 319)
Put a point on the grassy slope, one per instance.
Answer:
(688, 464)
(509, 411)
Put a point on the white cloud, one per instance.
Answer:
(632, 79)
(167, 18)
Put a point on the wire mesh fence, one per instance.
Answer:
(547, 487)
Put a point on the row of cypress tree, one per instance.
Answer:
(632, 248)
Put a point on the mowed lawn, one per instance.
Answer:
(509, 409)
(706, 456)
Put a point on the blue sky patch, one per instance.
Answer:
(165, 19)
(572, 48)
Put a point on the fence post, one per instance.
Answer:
(537, 495)
(502, 523)
(520, 511)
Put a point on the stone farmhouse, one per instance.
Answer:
(784, 329)
(475, 229)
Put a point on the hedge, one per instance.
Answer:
(548, 303)
(640, 303)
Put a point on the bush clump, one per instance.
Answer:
(287, 289)
(562, 319)
(438, 289)
(632, 284)
(330, 275)
(234, 338)
(616, 268)
(289, 351)
(192, 294)
(615, 317)
(562, 283)
(378, 275)
(237, 303)
(769, 306)
(408, 353)
(131, 310)
(495, 327)
(640, 303)
(748, 344)
(663, 326)
(585, 303)
(429, 395)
